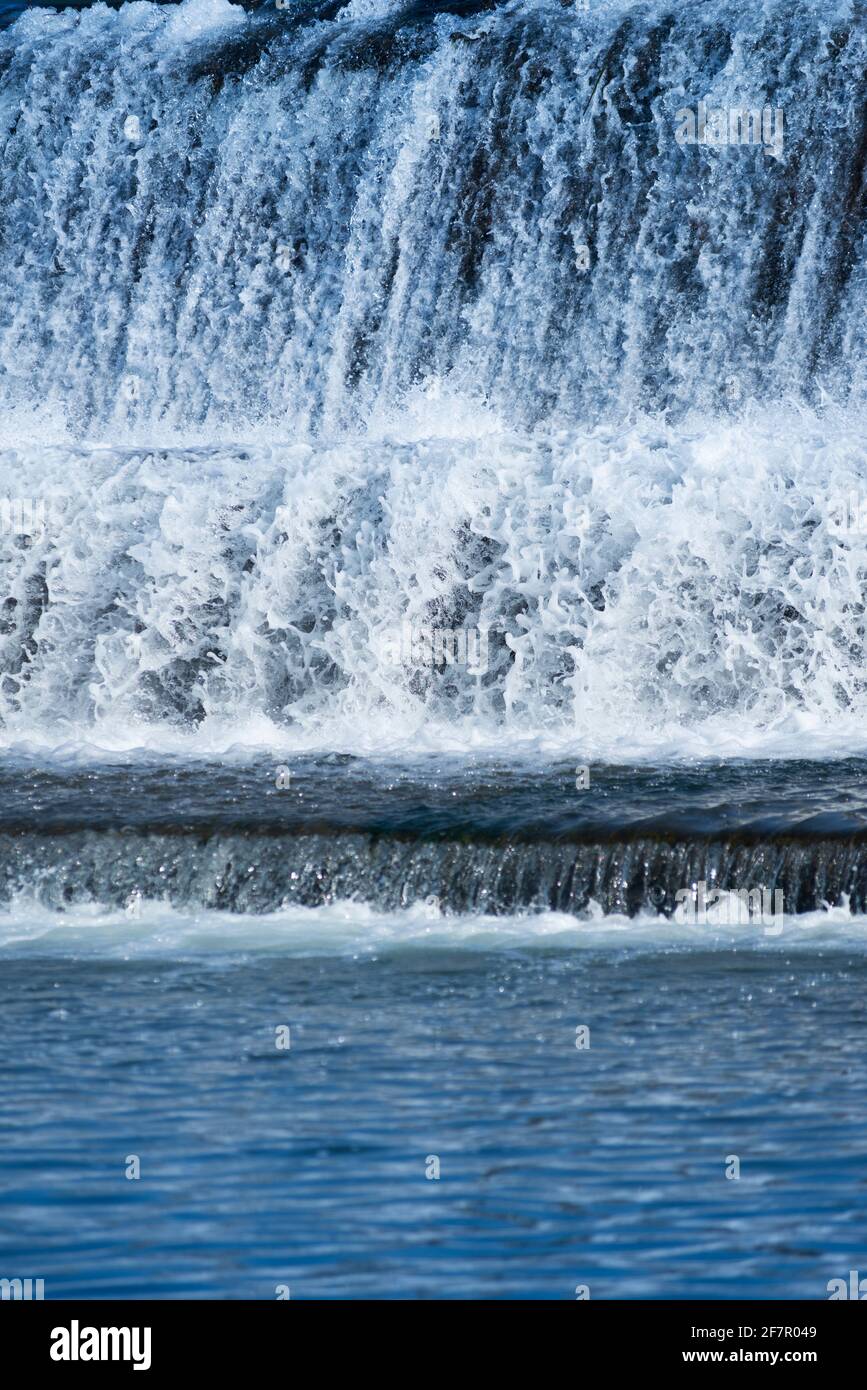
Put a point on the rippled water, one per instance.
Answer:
(558, 1166)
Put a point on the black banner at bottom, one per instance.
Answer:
(156, 1338)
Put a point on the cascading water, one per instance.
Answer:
(502, 353)
(327, 324)
(273, 218)
(433, 618)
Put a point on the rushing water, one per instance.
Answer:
(348, 239)
(324, 326)
(488, 838)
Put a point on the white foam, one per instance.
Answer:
(650, 592)
(150, 929)
(285, 381)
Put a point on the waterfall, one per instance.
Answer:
(319, 321)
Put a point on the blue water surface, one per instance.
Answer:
(558, 1166)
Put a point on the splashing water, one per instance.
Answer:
(501, 354)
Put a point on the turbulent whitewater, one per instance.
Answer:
(322, 320)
